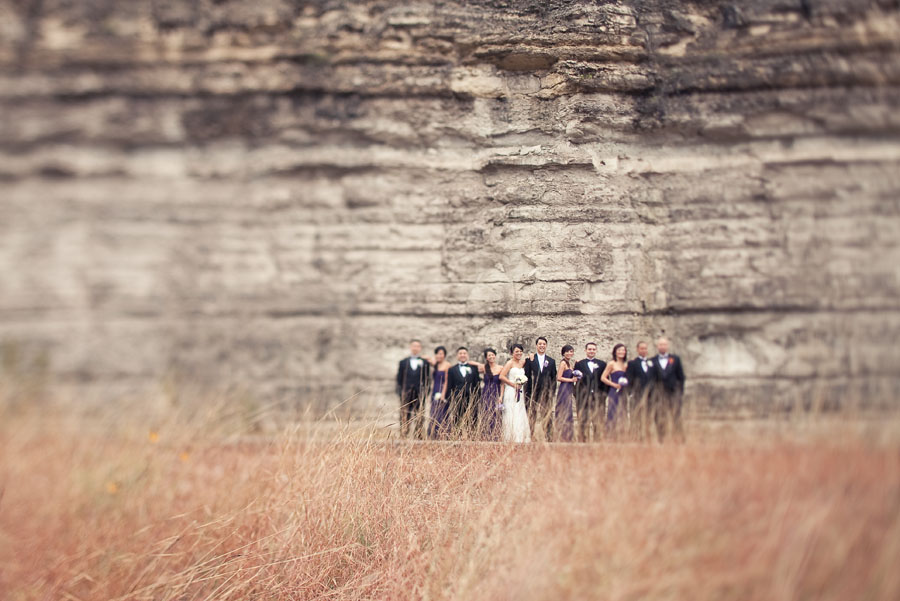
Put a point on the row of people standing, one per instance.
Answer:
(459, 404)
(529, 397)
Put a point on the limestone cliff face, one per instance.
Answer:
(275, 196)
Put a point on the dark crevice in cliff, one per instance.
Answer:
(32, 14)
(773, 310)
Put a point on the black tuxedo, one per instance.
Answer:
(463, 392)
(539, 392)
(669, 379)
(590, 383)
(411, 386)
(667, 394)
(638, 388)
(590, 396)
(638, 379)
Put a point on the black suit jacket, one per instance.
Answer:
(638, 379)
(590, 385)
(668, 380)
(541, 383)
(409, 379)
(463, 388)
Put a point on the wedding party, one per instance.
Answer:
(532, 397)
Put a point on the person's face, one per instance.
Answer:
(541, 347)
(662, 346)
(642, 349)
(569, 354)
(462, 356)
(415, 348)
(620, 353)
(591, 351)
(491, 357)
(517, 354)
(439, 356)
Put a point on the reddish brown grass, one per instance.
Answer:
(95, 509)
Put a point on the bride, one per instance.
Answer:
(515, 426)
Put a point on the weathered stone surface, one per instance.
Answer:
(273, 197)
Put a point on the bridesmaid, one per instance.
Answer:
(566, 377)
(615, 371)
(490, 396)
(439, 405)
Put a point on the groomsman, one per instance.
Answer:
(540, 388)
(590, 392)
(667, 390)
(463, 389)
(639, 374)
(412, 381)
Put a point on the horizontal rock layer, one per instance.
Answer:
(274, 197)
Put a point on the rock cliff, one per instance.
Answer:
(275, 196)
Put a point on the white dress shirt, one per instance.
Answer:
(540, 359)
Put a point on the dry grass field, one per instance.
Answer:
(108, 507)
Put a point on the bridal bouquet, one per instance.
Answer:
(518, 381)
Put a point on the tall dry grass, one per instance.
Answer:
(165, 507)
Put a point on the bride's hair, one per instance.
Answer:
(517, 346)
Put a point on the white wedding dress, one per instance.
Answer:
(515, 417)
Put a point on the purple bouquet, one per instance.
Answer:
(577, 374)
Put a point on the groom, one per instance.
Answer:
(463, 390)
(540, 387)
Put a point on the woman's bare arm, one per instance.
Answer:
(605, 379)
(560, 378)
(505, 371)
(480, 366)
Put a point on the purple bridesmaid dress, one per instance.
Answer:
(490, 396)
(612, 403)
(438, 426)
(564, 417)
